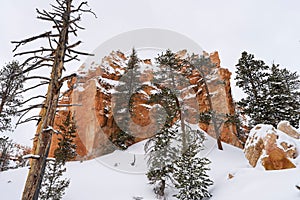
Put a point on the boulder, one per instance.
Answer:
(271, 148)
(287, 128)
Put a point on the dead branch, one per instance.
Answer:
(73, 30)
(77, 26)
(30, 108)
(62, 80)
(72, 58)
(50, 18)
(75, 19)
(22, 42)
(33, 118)
(33, 52)
(58, 9)
(27, 110)
(35, 66)
(37, 77)
(60, 4)
(37, 60)
(80, 53)
(33, 87)
(80, 9)
(39, 63)
(74, 45)
(32, 98)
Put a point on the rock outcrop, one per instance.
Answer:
(222, 103)
(92, 97)
(271, 148)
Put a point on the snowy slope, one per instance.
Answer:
(106, 178)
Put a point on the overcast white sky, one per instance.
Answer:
(269, 29)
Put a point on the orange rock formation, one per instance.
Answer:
(91, 97)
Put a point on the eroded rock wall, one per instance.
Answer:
(91, 98)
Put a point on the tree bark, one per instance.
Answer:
(43, 140)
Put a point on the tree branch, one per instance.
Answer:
(81, 53)
(33, 118)
(30, 99)
(34, 51)
(73, 45)
(30, 88)
(30, 108)
(37, 77)
(79, 8)
(62, 80)
(22, 42)
(71, 58)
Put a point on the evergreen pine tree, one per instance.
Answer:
(206, 69)
(283, 96)
(172, 76)
(11, 82)
(5, 152)
(251, 76)
(272, 93)
(128, 84)
(190, 171)
(161, 149)
(161, 154)
(66, 149)
(176, 136)
(54, 185)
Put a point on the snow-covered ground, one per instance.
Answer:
(113, 177)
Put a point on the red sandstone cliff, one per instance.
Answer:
(91, 95)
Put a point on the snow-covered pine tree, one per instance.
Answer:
(122, 110)
(161, 154)
(251, 77)
(171, 76)
(53, 184)
(173, 140)
(272, 93)
(191, 176)
(292, 84)
(11, 83)
(161, 149)
(190, 172)
(206, 68)
(283, 96)
(66, 149)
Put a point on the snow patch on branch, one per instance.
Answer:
(50, 128)
(32, 156)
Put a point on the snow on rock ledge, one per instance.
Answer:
(272, 148)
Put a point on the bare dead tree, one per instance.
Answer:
(65, 17)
